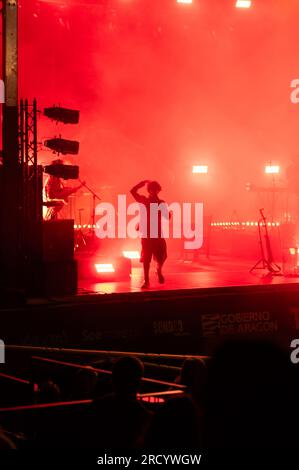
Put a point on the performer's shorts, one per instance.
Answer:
(153, 248)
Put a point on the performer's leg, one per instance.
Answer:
(146, 256)
(159, 273)
(146, 268)
(160, 257)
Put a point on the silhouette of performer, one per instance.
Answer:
(151, 247)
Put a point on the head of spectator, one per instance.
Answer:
(85, 382)
(127, 373)
(49, 392)
(193, 375)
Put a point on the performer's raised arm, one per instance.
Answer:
(134, 191)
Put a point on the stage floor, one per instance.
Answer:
(200, 305)
(204, 274)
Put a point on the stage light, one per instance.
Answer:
(152, 400)
(200, 169)
(272, 169)
(62, 146)
(67, 116)
(243, 3)
(104, 268)
(131, 254)
(185, 1)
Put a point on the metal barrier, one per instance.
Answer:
(14, 379)
(100, 353)
(102, 371)
(45, 406)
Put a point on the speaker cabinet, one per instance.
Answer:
(58, 240)
(54, 278)
(53, 270)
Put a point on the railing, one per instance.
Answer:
(14, 379)
(102, 353)
(148, 360)
(102, 371)
(63, 404)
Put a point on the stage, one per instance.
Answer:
(200, 305)
(217, 272)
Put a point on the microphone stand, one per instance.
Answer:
(80, 240)
(94, 198)
(266, 261)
